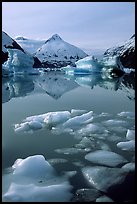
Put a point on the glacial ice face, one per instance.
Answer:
(90, 64)
(18, 60)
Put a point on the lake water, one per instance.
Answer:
(25, 96)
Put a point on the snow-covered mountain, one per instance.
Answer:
(126, 52)
(30, 45)
(14, 54)
(58, 53)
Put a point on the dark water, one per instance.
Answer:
(24, 96)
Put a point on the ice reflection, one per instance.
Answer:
(55, 84)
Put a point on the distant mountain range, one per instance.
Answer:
(56, 53)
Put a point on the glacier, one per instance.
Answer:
(19, 62)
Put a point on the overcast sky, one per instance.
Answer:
(89, 25)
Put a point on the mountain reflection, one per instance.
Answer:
(55, 84)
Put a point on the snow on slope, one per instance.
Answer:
(14, 55)
(121, 47)
(56, 52)
(126, 52)
(29, 45)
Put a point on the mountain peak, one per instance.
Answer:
(55, 37)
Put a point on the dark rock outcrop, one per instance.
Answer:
(125, 51)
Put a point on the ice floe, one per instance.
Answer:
(129, 166)
(115, 122)
(107, 158)
(34, 179)
(128, 114)
(102, 178)
(86, 195)
(129, 145)
(130, 134)
(104, 199)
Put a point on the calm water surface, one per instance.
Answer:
(24, 96)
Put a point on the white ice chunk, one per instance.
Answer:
(35, 125)
(75, 112)
(115, 122)
(34, 167)
(34, 179)
(91, 129)
(23, 127)
(129, 145)
(102, 178)
(127, 114)
(55, 118)
(89, 63)
(86, 195)
(129, 166)
(105, 158)
(70, 150)
(79, 120)
(104, 199)
(33, 193)
(130, 134)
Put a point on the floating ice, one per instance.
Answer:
(70, 150)
(105, 158)
(75, 112)
(104, 199)
(127, 114)
(78, 120)
(88, 63)
(115, 122)
(33, 193)
(86, 195)
(55, 118)
(34, 166)
(130, 134)
(91, 129)
(129, 166)
(102, 178)
(129, 145)
(34, 179)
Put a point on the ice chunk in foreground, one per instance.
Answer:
(129, 145)
(32, 193)
(130, 134)
(104, 199)
(34, 179)
(102, 178)
(105, 157)
(86, 195)
(34, 166)
(129, 166)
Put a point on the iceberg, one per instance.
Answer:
(102, 178)
(107, 158)
(108, 66)
(19, 62)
